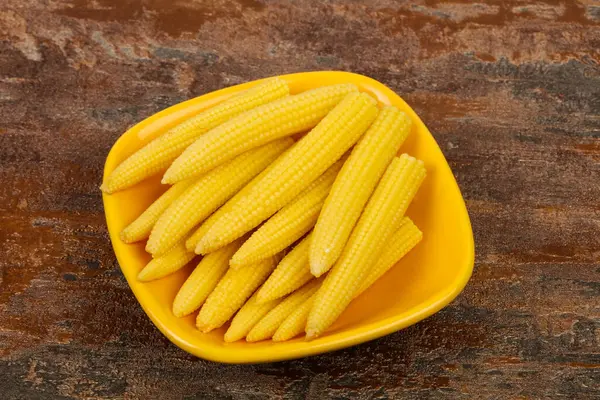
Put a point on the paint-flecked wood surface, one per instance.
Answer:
(510, 90)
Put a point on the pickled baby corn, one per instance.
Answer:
(202, 281)
(160, 152)
(355, 183)
(295, 170)
(231, 293)
(288, 224)
(208, 193)
(173, 260)
(291, 273)
(295, 323)
(380, 219)
(402, 241)
(247, 317)
(267, 326)
(258, 126)
(142, 226)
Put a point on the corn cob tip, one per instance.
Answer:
(265, 298)
(127, 236)
(206, 246)
(317, 269)
(261, 298)
(279, 338)
(144, 276)
(201, 247)
(229, 338)
(150, 249)
(311, 334)
(153, 250)
(251, 339)
(236, 266)
(105, 189)
(205, 328)
(235, 262)
(177, 312)
(124, 236)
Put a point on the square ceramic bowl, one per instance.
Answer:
(423, 282)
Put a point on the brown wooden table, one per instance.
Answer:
(510, 90)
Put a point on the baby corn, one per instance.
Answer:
(193, 240)
(173, 260)
(295, 323)
(247, 317)
(267, 326)
(296, 203)
(403, 241)
(202, 281)
(231, 293)
(291, 273)
(140, 228)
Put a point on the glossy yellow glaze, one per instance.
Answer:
(422, 283)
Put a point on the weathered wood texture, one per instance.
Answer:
(510, 90)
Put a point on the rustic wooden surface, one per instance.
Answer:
(510, 90)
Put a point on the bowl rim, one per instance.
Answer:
(338, 340)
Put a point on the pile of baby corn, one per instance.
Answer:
(290, 231)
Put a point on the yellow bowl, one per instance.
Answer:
(426, 280)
